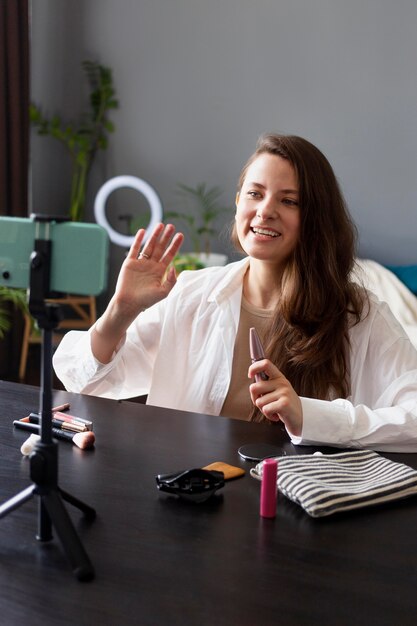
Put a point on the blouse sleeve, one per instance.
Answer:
(129, 372)
(381, 412)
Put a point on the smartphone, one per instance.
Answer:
(79, 254)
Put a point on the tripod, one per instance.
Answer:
(44, 458)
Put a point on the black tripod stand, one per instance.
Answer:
(44, 458)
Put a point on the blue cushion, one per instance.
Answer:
(407, 274)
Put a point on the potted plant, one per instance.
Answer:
(85, 138)
(200, 220)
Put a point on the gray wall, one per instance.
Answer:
(199, 80)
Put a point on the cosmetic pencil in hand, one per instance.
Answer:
(256, 352)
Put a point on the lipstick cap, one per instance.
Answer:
(268, 504)
(255, 345)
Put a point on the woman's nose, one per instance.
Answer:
(267, 209)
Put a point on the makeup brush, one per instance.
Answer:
(29, 444)
(83, 440)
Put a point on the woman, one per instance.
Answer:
(340, 370)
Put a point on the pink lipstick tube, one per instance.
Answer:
(268, 505)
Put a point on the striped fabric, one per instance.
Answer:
(324, 484)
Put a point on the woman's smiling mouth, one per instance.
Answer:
(257, 230)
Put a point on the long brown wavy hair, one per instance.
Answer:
(308, 335)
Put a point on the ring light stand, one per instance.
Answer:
(44, 458)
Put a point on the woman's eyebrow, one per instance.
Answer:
(261, 186)
(255, 184)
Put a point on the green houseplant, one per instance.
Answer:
(84, 138)
(204, 207)
(18, 298)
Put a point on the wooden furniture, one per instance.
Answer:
(80, 314)
(162, 561)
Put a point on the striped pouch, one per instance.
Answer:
(329, 483)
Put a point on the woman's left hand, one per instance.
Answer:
(275, 397)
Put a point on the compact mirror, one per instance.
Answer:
(259, 451)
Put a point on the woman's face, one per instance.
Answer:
(267, 210)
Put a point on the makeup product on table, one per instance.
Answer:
(62, 420)
(28, 445)
(256, 352)
(65, 417)
(62, 407)
(71, 425)
(83, 440)
(268, 504)
(229, 471)
(197, 485)
(259, 451)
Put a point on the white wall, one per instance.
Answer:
(199, 80)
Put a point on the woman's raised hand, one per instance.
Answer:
(144, 278)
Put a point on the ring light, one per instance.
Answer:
(135, 183)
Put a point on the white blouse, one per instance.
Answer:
(180, 353)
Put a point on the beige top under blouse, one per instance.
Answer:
(238, 403)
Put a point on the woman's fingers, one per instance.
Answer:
(161, 247)
(150, 248)
(158, 242)
(137, 242)
(172, 249)
(275, 397)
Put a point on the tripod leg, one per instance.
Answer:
(73, 548)
(17, 500)
(88, 511)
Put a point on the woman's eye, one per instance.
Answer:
(290, 202)
(254, 194)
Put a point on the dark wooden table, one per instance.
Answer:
(159, 560)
